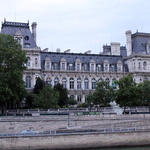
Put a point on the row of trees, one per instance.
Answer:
(128, 93)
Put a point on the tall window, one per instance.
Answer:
(70, 67)
(28, 62)
(56, 81)
(86, 67)
(28, 82)
(79, 98)
(55, 66)
(48, 81)
(47, 65)
(113, 68)
(86, 84)
(78, 83)
(99, 68)
(106, 67)
(92, 67)
(64, 83)
(63, 66)
(71, 83)
(93, 83)
(36, 62)
(144, 65)
(78, 67)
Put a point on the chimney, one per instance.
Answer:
(128, 42)
(34, 24)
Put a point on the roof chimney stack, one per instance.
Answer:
(34, 24)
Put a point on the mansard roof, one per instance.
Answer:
(11, 28)
(139, 42)
(85, 58)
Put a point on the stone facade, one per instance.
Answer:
(79, 72)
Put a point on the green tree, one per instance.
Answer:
(38, 86)
(47, 98)
(128, 93)
(103, 94)
(12, 60)
(145, 92)
(63, 99)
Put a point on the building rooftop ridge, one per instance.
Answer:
(15, 24)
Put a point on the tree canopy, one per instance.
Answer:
(38, 86)
(103, 94)
(63, 98)
(128, 93)
(47, 98)
(145, 92)
(12, 60)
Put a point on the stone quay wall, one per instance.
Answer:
(75, 141)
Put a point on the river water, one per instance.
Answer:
(121, 148)
(126, 148)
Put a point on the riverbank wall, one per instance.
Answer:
(75, 141)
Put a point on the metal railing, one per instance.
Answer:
(79, 131)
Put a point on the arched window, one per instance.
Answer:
(28, 82)
(86, 84)
(64, 83)
(28, 62)
(56, 81)
(71, 83)
(93, 83)
(78, 83)
(49, 81)
(144, 65)
(100, 80)
(36, 62)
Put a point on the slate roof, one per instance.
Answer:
(12, 27)
(139, 42)
(85, 58)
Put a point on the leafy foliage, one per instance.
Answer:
(47, 98)
(128, 93)
(103, 94)
(145, 92)
(38, 86)
(63, 98)
(12, 60)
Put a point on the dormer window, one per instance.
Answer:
(27, 45)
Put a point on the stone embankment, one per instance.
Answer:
(51, 123)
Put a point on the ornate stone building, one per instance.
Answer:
(79, 72)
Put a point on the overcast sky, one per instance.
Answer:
(79, 25)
